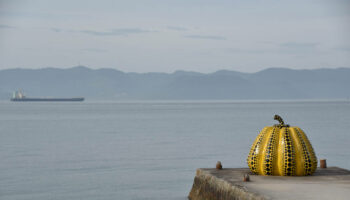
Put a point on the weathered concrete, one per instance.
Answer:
(213, 184)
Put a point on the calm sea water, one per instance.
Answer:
(145, 150)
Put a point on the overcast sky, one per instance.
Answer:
(164, 35)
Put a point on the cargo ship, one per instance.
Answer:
(19, 96)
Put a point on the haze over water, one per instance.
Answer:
(145, 150)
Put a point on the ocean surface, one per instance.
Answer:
(145, 150)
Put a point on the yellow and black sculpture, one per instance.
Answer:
(282, 150)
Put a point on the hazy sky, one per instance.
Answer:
(164, 35)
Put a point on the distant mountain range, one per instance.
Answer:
(110, 84)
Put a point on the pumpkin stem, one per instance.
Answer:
(280, 120)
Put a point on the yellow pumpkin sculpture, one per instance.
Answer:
(282, 150)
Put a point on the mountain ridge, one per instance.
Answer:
(109, 84)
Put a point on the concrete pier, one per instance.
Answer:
(214, 184)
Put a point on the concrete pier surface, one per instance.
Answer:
(213, 184)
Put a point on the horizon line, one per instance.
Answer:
(174, 72)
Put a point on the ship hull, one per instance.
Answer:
(48, 99)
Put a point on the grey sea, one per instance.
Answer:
(145, 150)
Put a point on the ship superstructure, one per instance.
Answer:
(18, 95)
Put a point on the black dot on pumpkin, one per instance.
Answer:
(289, 174)
(289, 164)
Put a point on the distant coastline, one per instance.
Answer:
(111, 84)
